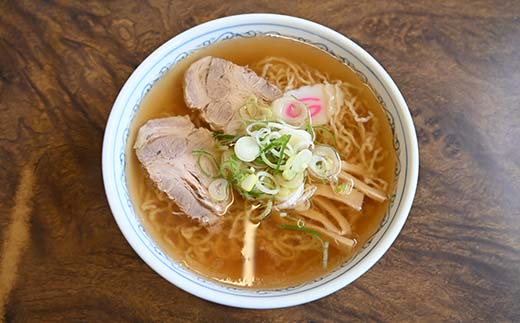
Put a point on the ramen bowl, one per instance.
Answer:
(255, 25)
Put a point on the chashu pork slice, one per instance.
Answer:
(219, 88)
(165, 148)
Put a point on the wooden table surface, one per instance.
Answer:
(63, 258)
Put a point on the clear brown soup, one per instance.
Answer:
(224, 262)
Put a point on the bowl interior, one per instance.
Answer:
(224, 29)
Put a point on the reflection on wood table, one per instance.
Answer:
(63, 258)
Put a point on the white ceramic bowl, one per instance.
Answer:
(252, 25)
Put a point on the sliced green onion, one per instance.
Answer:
(254, 128)
(325, 162)
(300, 139)
(265, 212)
(229, 165)
(254, 196)
(269, 163)
(297, 164)
(325, 244)
(266, 183)
(223, 136)
(288, 173)
(262, 136)
(204, 155)
(276, 148)
(310, 129)
(304, 229)
(301, 161)
(278, 142)
(290, 198)
(282, 150)
(247, 149)
(225, 139)
(232, 168)
(293, 183)
(344, 188)
(269, 138)
(284, 193)
(249, 182)
(219, 190)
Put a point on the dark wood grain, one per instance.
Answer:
(63, 258)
